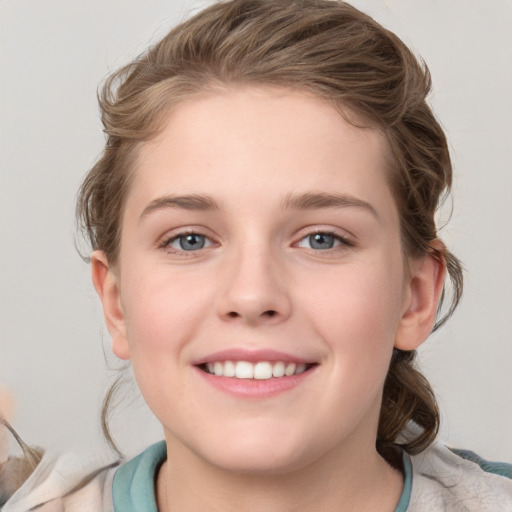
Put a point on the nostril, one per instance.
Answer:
(269, 313)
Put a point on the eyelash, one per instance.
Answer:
(166, 243)
(344, 241)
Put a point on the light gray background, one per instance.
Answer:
(52, 56)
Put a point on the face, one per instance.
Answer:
(260, 287)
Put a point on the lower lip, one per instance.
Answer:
(255, 388)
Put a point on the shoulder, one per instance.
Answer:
(459, 480)
(71, 482)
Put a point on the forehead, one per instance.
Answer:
(264, 140)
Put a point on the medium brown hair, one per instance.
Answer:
(327, 48)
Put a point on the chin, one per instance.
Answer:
(261, 454)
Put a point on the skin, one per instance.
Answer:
(258, 283)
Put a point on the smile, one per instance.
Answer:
(261, 370)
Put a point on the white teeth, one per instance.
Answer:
(229, 369)
(244, 370)
(217, 368)
(262, 370)
(301, 368)
(290, 369)
(278, 369)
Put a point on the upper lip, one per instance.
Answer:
(251, 356)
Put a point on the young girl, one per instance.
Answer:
(264, 247)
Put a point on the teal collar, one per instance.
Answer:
(405, 498)
(133, 488)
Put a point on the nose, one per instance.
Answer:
(254, 288)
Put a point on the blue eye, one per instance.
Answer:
(189, 242)
(322, 241)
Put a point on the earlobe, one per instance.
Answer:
(425, 286)
(107, 288)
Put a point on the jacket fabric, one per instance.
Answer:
(438, 479)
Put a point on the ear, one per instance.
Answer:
(424, 288)
(107, 288)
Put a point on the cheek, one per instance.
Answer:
(357, 313)
(162, 315)
(162, 311)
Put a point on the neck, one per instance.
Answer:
(344, 479)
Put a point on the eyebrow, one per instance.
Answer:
(187, 202)
(312, 201)
(307, 201)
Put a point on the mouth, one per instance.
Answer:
(260, 370)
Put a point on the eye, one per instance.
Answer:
(322, 241)
(188, 242)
